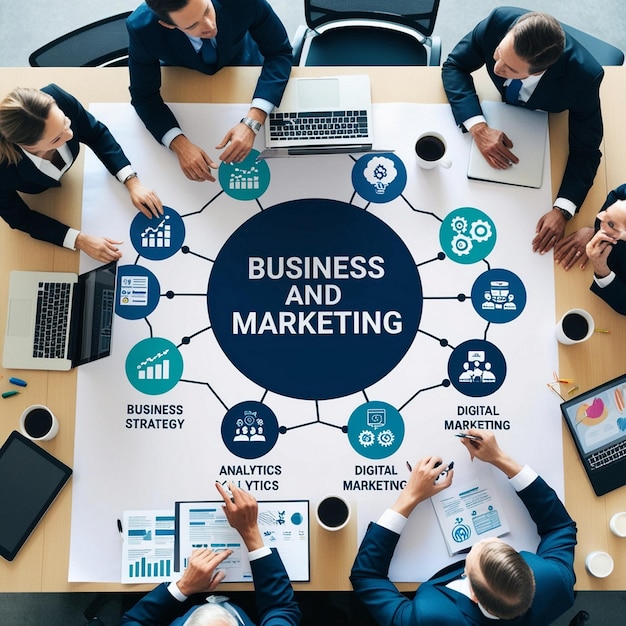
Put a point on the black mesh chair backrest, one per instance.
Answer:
(417, 14)
(100, 43)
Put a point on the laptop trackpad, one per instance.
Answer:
(20, 316)
(317, 94)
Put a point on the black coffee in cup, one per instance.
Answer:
(38, 423)
(430, 148)
(575, 326)
(333, 512)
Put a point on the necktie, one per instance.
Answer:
(512, 91)
(57, 160)
(208, 52)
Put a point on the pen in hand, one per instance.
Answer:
(470, 437)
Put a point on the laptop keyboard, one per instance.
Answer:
(608, 455)
(53, 304)
(325, 125)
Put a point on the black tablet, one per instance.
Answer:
(30, 479)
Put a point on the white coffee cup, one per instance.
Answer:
(617, 524)
(599, 564)
(333, 513)
(39, 423)
(430, 150)
(575, 326)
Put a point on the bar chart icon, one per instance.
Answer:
(150, 568)
(155, 368)
(159, 236)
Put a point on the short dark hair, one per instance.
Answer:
(508, 586)
(539, 39)
(163, 8)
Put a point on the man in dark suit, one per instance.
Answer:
(534, 64)
(37, 127)
(173, 604)
(495, 581)
(206, 35)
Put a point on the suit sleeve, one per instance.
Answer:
(614, 294)
(369, 578)
(270, 35)
(88, 130)
(275, 600)
(16, 213)
(145, 87)
(155, 608)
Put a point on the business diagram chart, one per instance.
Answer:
(306, 326)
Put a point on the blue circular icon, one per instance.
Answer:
(314, 299)
(375, 430)
(476, 368)
(138, 292)
(160, 237)
(247, 180)
(379, 177)
(467, 235)
(498, 296)
(249, 429)
(154, 366)
(297, 519)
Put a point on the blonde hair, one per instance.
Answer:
(207, 614)
(23, 115)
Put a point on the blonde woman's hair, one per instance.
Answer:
(23, 115)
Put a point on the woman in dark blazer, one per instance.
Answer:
(40, 136)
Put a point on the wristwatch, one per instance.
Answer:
(566, 214)
(253, 125)
(131, 175)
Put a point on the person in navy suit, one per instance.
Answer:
(206, 35)
(534, 64)
(175, 603)
(495, 581)
(40, 136)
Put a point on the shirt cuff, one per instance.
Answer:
(70, 238)
(259, 553)
(393, 521)
(127, 170)
(523, 478)
(472, 121)
(264, 105)
(170, 135)
(176, 592)
(605, 281)
(568, 205)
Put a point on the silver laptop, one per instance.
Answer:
(528, 130)
(321, 115)
(58, 320)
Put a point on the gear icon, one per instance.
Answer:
(386, 438)
(459, 224)
(480, 231)
(461, 245)
(367, 438)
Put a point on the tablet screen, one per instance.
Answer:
(30, 479)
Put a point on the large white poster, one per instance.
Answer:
(306, 326)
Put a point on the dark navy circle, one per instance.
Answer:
(379, 177)
(477, 368)
(137, 292)
(250, 429)
(498, 296)
(314, 299)
(158, 238)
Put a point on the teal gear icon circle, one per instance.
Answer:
(467, 235)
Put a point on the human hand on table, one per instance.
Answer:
(421, 484)
(494, 145)
(100, 248)
(242, 511)
(201, 573)
(572, 249)
(549, 231)
(194, 161)
(239, 141)
(484, 446)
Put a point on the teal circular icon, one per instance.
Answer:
(247, 180)
(467, 235)
(375, 430)
(154, 366)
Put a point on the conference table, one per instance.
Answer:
(42, 564)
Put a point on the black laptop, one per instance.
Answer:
(597, 421)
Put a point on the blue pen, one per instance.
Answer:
(17, 381)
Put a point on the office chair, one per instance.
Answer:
(368, 32)
(603, 52)
(101, 44)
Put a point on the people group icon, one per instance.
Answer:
(249, 428)
(476, 369)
